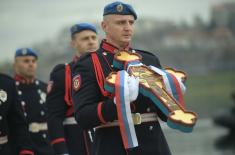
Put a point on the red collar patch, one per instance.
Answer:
(111, 48)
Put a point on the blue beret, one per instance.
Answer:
(119, 8)
(81, 27)
(25, 52)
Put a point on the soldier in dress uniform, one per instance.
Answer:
(95, 107)
(67, 137)
(32, 93)
(14, 136)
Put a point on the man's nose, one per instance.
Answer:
(127, 26)
(31, 63)
(92, 41)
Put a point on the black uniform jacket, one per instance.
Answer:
(33, 96)
(65, 137)
(93, 109)
(14, 136)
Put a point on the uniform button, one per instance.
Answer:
(39, 91)
(23, 103)
(19, 92)
(151, 128)
(0, 117)
(148, 109)
(43, 97)
(104, 53)
(112, 66)
(25, 114)
(17, 83)
(42, 113)
(37, 82)
(44, 135)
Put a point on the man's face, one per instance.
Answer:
(118, 28)
(25, 66)
(85, 41)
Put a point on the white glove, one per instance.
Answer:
(132, 88)
(133, 85)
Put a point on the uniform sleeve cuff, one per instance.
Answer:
(99, 112)
(57, 140)
(26, 152)
(109, 110)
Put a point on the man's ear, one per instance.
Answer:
(72, 43)
(14, 66)
(103, 25)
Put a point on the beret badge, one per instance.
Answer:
(119, 7)
(24, 51)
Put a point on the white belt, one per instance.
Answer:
(36, 127)
(69, 121)
(137, 119)
(3, 140)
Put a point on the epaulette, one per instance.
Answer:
(146, 52)
(58, 68)
(6, 76)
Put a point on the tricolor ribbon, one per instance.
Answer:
(173, 85)
(125, 120)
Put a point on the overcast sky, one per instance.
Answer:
(26, 22)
